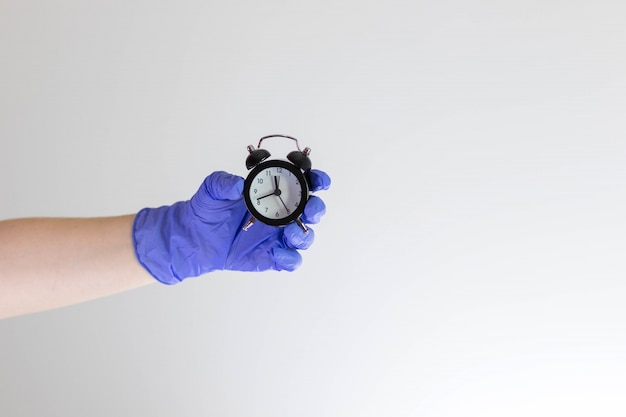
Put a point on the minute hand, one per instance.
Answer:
(281, 200)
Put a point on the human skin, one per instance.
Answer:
(47, 263)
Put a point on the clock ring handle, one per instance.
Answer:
(306, 151)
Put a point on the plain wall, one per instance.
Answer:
(472, 259)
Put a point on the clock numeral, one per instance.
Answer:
(268, 173)
(258, 202)
(279, 170)
(266, 209)
(277, 215)
(259, 180)
(256, 191)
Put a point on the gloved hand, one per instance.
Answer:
(204, 234)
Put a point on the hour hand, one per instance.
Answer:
(276, 181)
(267, 195)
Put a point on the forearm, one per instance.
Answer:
(47, 263)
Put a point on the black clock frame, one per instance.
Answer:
(297, 172)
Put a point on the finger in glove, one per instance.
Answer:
(319, 180)
(286, 259)
(314, 210)
(295, 238)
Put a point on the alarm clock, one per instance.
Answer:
(276, 190)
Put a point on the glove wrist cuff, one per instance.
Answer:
(150, 247)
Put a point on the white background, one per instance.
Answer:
(472, 259)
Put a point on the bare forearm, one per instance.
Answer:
(47, 263)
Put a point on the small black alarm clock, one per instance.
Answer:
(275, 190)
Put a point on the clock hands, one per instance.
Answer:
(265, 196)
(281, 200)
(276, 192)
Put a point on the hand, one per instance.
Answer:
(205, 234)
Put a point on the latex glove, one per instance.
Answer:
(204, 234)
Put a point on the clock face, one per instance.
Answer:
(276, 192)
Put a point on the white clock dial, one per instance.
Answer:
(276, 192)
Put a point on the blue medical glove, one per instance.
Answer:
(204, 234)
